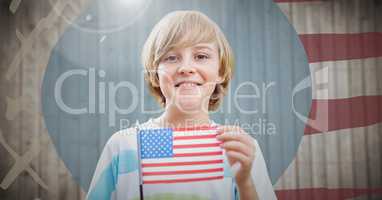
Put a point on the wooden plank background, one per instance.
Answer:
(30, 29)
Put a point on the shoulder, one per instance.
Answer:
(122, 139)
(118, 156)
(260, 175)
(122, 135)
(259, 158)
(127, 138)
(257, 146)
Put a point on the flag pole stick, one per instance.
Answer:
(139, 161)
(141, 191)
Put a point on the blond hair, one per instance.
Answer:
(185, 29)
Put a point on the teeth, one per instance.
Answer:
(187, 84)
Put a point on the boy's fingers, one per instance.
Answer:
(237, 146)
(243, 137)
(229, 129)
(244, 160)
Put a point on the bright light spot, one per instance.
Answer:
(131, 3)
(102, 38)
(88, 17)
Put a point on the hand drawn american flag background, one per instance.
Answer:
(343, 43)
(180, 155)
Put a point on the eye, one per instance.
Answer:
(201, 56)
(171, 58)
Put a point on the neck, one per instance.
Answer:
(175, 118)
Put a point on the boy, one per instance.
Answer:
(188, 64)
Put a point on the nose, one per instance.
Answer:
(186, 70)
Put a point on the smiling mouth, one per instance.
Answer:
(188, 84)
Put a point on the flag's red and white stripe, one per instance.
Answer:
(328, 17)
(197, 157)
(344, 49)
(346, 78)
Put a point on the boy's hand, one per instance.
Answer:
(239, 147)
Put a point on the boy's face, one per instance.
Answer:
(187, 76)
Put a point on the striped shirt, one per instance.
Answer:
(117, 175)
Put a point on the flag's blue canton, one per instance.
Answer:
(156, 143)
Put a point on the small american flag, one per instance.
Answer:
(180, 155)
